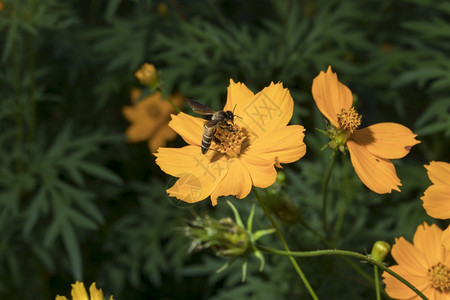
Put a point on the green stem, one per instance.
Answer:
(343, 253)
(286, 247)
(347, 260)
(325, 192)
(377, 282)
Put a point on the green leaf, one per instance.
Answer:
(73, 250)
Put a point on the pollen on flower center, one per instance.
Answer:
(349, 120)
(230, 140)
(439, 277)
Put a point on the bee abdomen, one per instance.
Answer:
(208, 134)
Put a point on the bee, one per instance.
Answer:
(219, 118)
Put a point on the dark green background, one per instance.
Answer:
(79, 203)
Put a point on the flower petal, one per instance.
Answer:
(445, 241)
(436, 201)
(267, 111)
(398, 290)
(386, 140)
(331, 96)
(439, 173)
(198, 176)
(262, 171)
(188, 127)
(237, 182)
(238, 97)
(285, 143)
(409, 258)
(376, 173)
(96, 294)
(428, 240)
(160, 138)
(79, 291)
(140, 131)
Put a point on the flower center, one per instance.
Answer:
(439, 276)
(154, 111)
(349, 120)
(230, 139)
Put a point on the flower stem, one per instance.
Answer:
(377, 282)
(343, 253)
(286, 247)
(325, 192)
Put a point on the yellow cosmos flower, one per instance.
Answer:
(436, 199)
(150, 118)
(371, 148)
(79, 293)
(425, 264)
(239, 157)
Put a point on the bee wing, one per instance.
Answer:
(200, 108)
(212, 123)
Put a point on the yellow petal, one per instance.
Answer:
(238, 97)
(142, 131)
(262, 171)
(267, 111)
(79, 291)
(398, 290)
(445, 240)
(436, 201)
(160, 138)
(386, 140)
(188, 127)
(96, 294)
(428, 240)
(198, 176)
(439, 173)
(409, 258)
(237, 182)
(285, 143)
(331, 96)
(376, 173)
(60, 298)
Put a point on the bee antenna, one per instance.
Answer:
(233, 112)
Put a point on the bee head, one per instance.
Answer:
(230, 115)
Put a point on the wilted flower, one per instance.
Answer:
(371, 148)
(436, 199)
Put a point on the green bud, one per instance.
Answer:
(380, 250)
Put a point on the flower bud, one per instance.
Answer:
(380, 250)
(223, 236)
(147, 75)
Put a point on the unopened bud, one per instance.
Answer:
(380, 250)
(147, 75)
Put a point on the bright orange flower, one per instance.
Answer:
(245, 155)
(371, 148)
(425, 264)
(150, 118)
(79, 293)
(436, 199)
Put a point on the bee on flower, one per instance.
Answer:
(241, 155)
